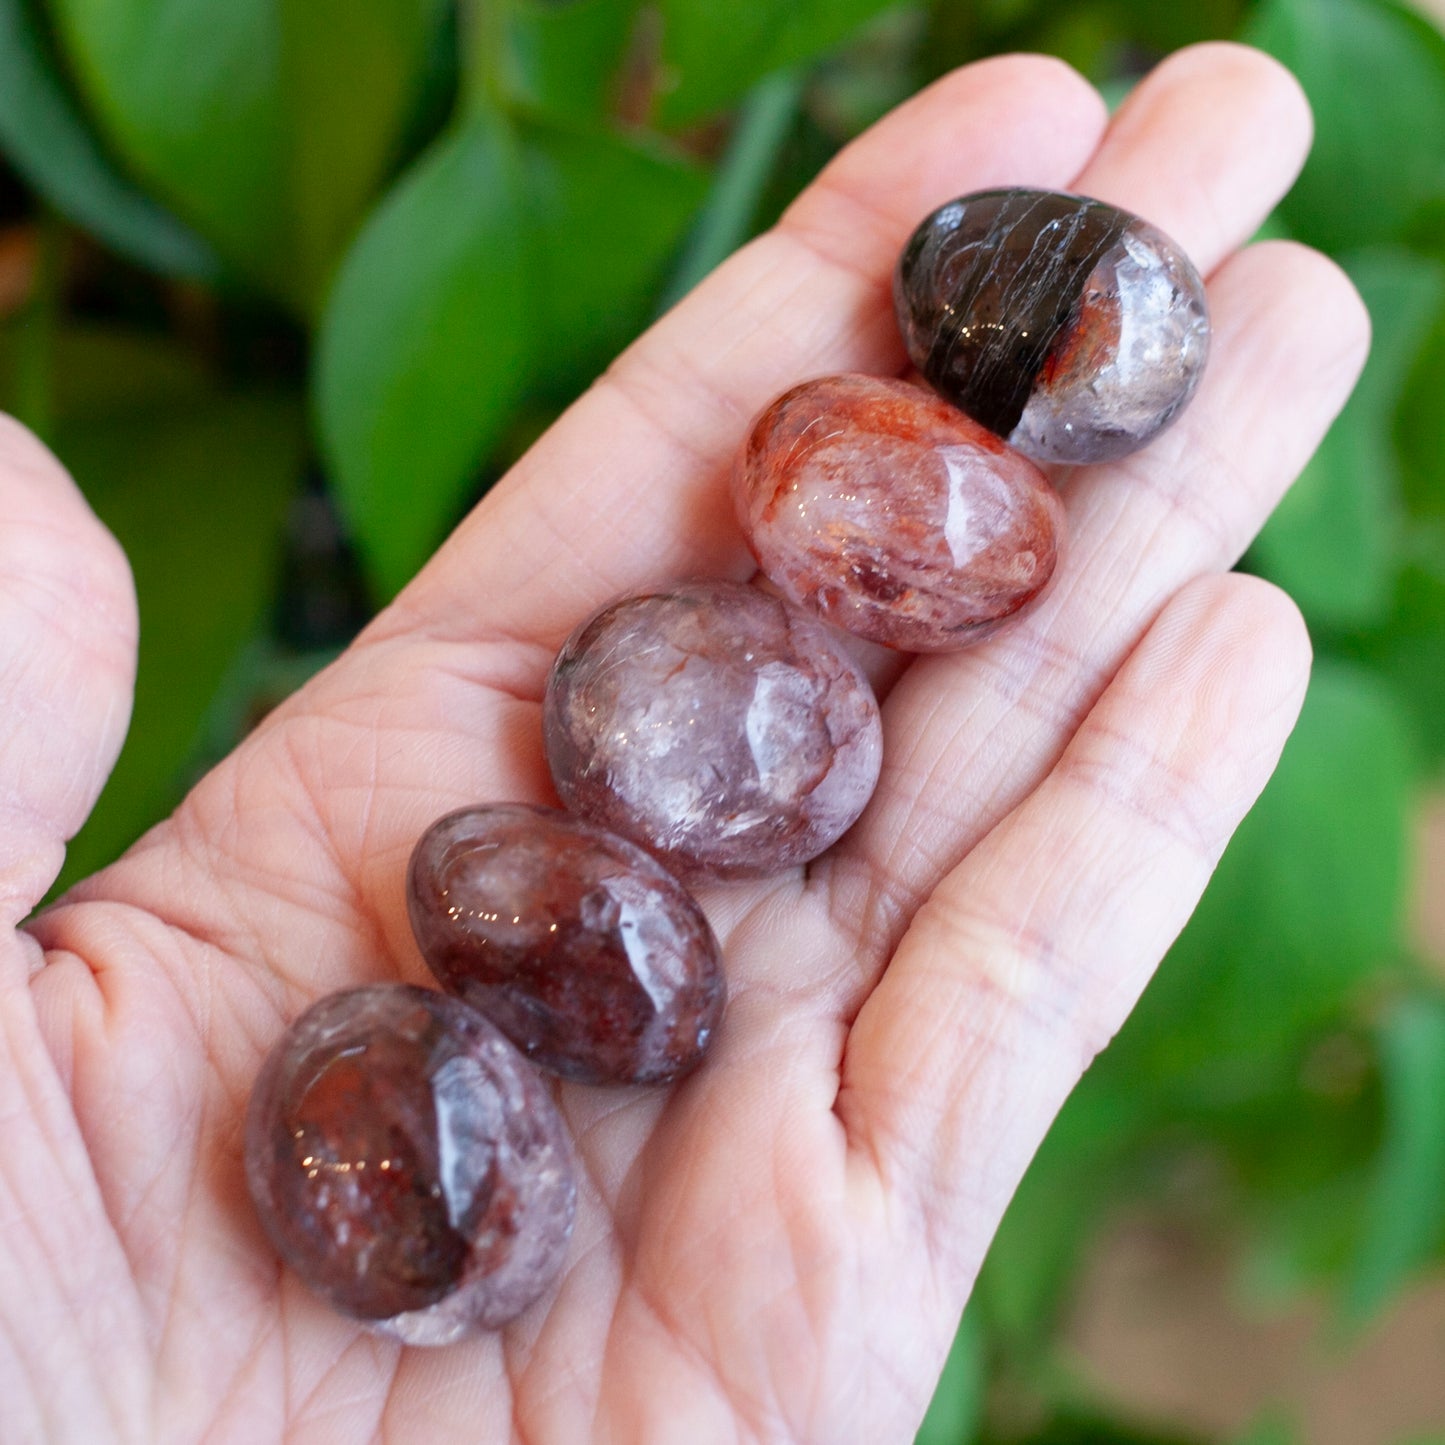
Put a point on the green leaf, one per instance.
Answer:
(1083, 35)
(1041, 1240)
(604, 218)
(197, 495)
(102, 372)
(425, 346)
(1270, 1430)
(265, 123)
(507, 259)
(1406, 650)
(859, 83)
(714, 51)
(1406, 1223)
(1421, 426)
(50, 144)
(1332, 542)
(566, 60)
(1162, 28)
(347, 74)
(1301, 1239)
(1306, 902)
(1076, 1426)
(187, 91)
(1375, 74)
(957, 1407)
(725, 221)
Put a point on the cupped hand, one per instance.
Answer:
(778, 1249)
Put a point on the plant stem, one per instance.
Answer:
(724, 221)
(34, 400)
(482, 30)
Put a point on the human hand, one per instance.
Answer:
(779, 1247)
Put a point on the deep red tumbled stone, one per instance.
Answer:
(892, 514)
(409, 1164)
(580, 947)
(724, 730)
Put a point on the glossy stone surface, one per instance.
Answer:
(724, 730)
(409, 1165)
(885, 510)
(1072, 328)
(583, 950)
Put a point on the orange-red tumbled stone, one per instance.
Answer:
(883, 509)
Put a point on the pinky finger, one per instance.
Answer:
(1030, 954)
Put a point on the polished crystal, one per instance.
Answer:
(1073, 329)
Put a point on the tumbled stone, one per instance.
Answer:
(409, 1164)
(722, 729)
(1073, 329)
(580, 947)
(885, 510)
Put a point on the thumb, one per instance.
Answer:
(69, 1321)
(67, 664)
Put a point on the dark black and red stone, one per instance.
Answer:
(1071, 328)
(581, 948)
(409, 1164)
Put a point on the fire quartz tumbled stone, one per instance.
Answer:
(887, 511)
(580, 947)
(1073, 329)
(722, 729)
(408, 1163)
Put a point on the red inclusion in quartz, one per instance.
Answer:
(883, 509)
(724, 730)
(579, 946)
(409, 1164)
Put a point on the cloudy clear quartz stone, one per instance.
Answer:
(1098, 413)
(1073, 329)
(724, 730)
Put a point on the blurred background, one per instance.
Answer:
(287, 283)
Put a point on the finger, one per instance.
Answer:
(628, 489)
(67, 664)
(1029, 956)
(1204, 147)
(972, 734)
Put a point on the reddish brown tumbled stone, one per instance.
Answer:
(721, 729)
(409, 1164)
(887, 511)
(580, 947)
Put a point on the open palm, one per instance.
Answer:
(779, 1248)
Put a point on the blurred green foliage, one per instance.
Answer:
(267, 264)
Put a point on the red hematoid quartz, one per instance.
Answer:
(409, 1164)
(722, 729)
(580, 947)
(885, 510)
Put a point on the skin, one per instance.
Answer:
(778, 1249)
